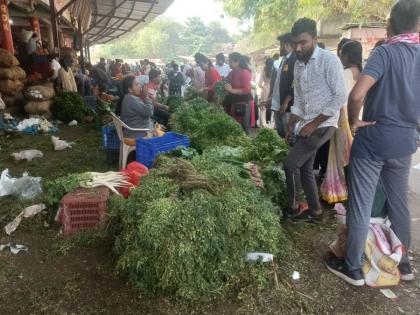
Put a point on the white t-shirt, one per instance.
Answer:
(55, 66)
(223, 70)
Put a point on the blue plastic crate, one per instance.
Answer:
(148, 149)
(110, 139)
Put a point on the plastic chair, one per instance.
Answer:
(125, 149)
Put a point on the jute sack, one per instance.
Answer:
(7, 60)
(10, 87)
(15, 73)
(34, 107)
(39, 93)
(14, 101)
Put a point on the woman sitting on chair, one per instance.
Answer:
(136, 112)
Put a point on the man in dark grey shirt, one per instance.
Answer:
(385, 139)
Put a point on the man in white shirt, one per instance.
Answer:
(55, 65)
(221, 66)
(319, 93)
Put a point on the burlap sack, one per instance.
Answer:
(15, 73)
(7, 60)
(39, 93)
(10, 87)
(14, 101)
(38, 108)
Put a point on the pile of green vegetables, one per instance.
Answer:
(68, 106)
(187, 229)
(207, 125)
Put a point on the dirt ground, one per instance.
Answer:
(77, 276)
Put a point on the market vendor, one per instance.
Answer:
(238, 101)
(211, 75)
(136, 112)
(161, 112)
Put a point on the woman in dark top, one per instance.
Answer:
(238, 100)
(176, 81)
(211, 76)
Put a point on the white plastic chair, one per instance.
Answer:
(125, 149)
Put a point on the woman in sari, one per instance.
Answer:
(334, 188)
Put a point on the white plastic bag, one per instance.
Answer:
(28, 155)
(26, 187)
(60, 145)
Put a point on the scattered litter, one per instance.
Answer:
(388, 293)
(60, 145)
(295, 275)
(27, 123)
(28, 212)
(264, 257)
(73, 123)
(27, 155)
(26, 187)
(401, 310)
(417, 167)
(14, 248)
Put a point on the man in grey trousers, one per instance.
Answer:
(319, 93)
(385, 139)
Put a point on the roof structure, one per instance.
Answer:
(112, 19)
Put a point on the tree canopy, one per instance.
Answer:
(167, 39)
(270, 17)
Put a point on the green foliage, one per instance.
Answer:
(267, 148)
(272, 17)
(207, 125)
(174, 102)
(275, 186)
(167, 39)
(69, 106)
(192, 244)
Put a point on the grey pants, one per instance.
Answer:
(281, 121)
(301, 160)
(364, 175)
(246, 119)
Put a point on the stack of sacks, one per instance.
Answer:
(11, 81)
(40, 99)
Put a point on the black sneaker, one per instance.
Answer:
(307, 216)
(406, 272)
(339, 268)
(287, 214)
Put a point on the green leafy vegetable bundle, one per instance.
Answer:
(68, 106)
(207, 125)
(187, 229)
(174, 102)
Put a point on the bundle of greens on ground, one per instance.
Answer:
(207, 125)
(187, 229)
(68, 106)
(174, 102)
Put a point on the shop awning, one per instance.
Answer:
(113, 19)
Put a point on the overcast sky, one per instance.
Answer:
(208, 10)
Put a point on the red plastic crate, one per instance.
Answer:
(83, 209)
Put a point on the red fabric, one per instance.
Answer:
(241, 79)
(212, 77)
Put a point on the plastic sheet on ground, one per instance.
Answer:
(14, 248)
(25, 187)
(35, 125)
(28, 212)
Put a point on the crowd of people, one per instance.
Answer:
(316, 98)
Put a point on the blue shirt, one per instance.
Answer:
(393, 102)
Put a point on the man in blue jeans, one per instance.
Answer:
(389, 88)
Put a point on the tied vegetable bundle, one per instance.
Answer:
(187, 229)
(57, 188)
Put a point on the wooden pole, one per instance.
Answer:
(82, 57)
(54, 24)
